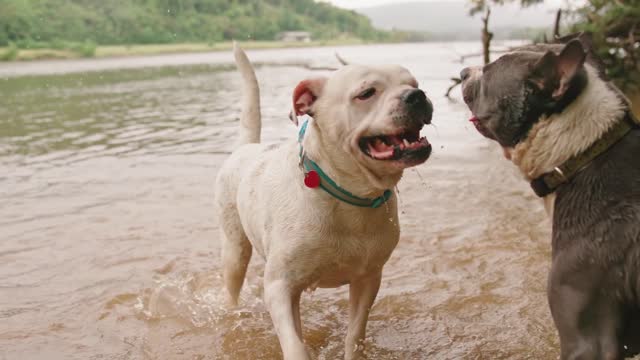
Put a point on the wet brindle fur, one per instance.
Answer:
(545, 104)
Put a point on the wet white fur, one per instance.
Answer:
(307, 237)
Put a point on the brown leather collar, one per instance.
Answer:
(549, 182)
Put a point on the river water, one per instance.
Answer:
(109, 245)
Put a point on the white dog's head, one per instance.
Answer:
(368, 115)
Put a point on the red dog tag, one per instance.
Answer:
(312, 179)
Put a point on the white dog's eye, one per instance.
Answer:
(366, 94)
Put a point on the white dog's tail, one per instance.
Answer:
(250, 122)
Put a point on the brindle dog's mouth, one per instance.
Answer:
(477, 124)
(404, 145)
(482, 129)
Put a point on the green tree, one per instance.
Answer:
(478, 6)
(44, 22)
(615, 29)
(484, 6)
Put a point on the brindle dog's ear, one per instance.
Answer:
(553, 73)
(586, 39)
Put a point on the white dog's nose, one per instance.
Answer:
(418, 105)
(415, 97)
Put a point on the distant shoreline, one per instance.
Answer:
(114, 51)
(124, 51)
(315, 55)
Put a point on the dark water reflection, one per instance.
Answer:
(109, 246)
(119, 113)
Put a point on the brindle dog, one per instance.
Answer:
(546, 105)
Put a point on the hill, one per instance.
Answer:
(103, 22)
(450, 19)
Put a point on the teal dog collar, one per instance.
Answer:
(314, 177)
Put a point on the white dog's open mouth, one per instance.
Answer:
(406, 145)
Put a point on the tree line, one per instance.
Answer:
(80, 25)
(45, 22)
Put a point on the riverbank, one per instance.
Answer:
(107, 51)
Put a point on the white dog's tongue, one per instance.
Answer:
(379, 150)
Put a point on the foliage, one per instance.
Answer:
(478, 6)
(84, 49)
(36, 22)
(10, 54)
(615, 29)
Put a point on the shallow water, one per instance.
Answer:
(109, 246)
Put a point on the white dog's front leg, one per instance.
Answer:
(284, 307)
(362, 293)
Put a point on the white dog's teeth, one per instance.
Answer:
(406, 143)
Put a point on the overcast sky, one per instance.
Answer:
(352, 4)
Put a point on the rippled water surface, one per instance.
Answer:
(109, 246)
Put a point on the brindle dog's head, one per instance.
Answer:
(508, 96)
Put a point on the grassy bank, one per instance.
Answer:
(16, 54)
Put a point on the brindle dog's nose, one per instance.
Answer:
(465, 73)
(418, 104)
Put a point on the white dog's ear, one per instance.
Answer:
(306, 94)
(553, 73)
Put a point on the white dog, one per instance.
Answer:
(321, 210)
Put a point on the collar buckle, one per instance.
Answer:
(559, 174)
(547, 183)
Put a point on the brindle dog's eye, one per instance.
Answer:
(366, 94)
